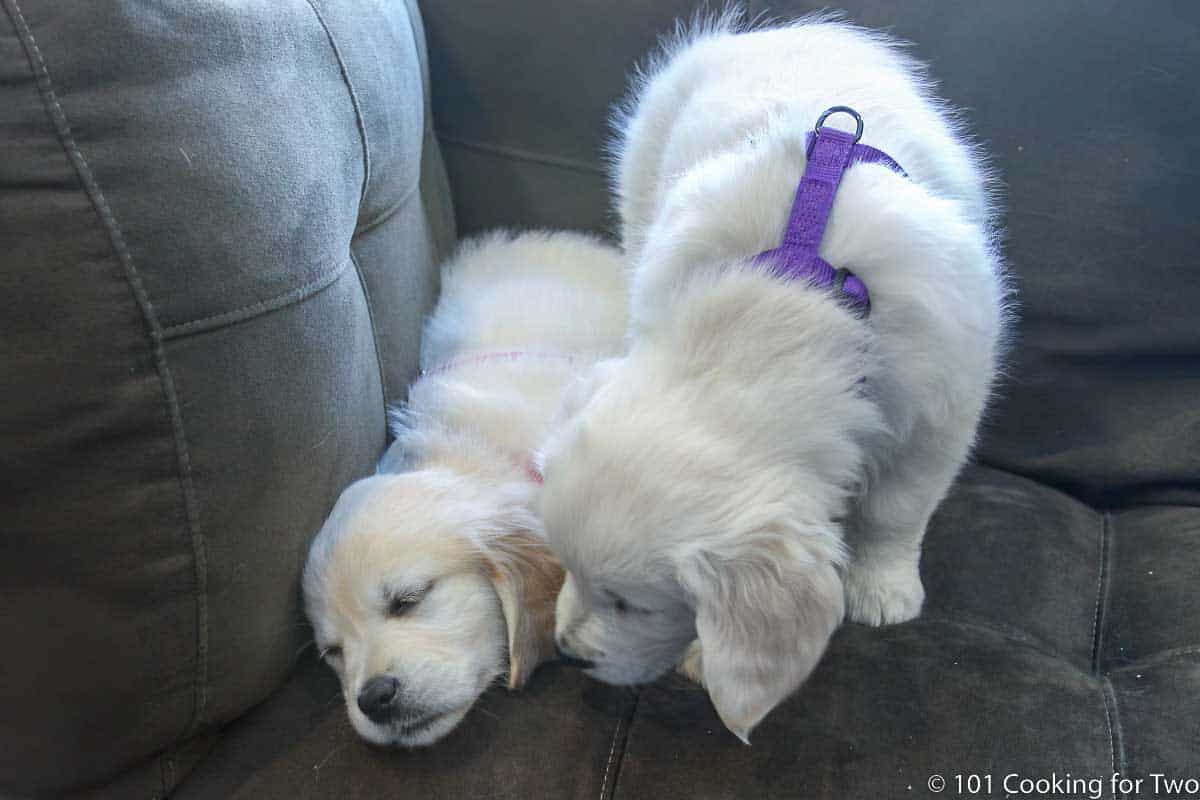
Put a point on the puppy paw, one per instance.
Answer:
(883, 593)
(692, 664)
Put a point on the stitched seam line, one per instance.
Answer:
(1112, 719)
(1101, 592)
(521, 155)
(389, 212)
(1011, 634)
(168, 760)
(288, 298)
(612, 751)
(117, 240)
(162, 774)
(444, 208)
(362, 281)
(1112, 744)
(358, 115)
(616, 752)
(1158, 659)
(416, 27)
(1096, 609)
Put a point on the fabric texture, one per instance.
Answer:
(1060, 630)
(1024, 661)
(218, 226)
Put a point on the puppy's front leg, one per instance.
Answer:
(884, 588)
(883, 580)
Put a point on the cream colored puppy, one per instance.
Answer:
(764, 461)
(432, 578)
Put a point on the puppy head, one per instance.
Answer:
(672, 534)
(422, 589)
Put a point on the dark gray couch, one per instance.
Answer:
(217, 231)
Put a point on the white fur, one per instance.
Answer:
(762, 462)
(449, 521)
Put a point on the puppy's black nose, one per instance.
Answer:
(570, 660)
(377, 697)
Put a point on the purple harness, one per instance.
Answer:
(829, 153)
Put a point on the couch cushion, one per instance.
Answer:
(558, 737)
(1010, 670)
(192, 200)
(886, 710)
(1087, 114)
(521, 101)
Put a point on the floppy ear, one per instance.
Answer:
(764, 613)
(527, 578)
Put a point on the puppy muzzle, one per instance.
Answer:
(572, 660)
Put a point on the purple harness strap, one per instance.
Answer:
(829, 152)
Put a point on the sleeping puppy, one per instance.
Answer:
(432, 578)
(764, 460)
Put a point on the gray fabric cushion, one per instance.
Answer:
(1088, 117)
(1023, 662)
(203, 300)
(1060, 632)
(1015, 666)
(1061, 627)
(559, 737)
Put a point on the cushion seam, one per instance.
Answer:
(616, 752)
(1055, 485)
(1011, 634)
(359, 122)
(612, 751)
(1158, 659)
(169, 779)
(362, 282)
(389, 212)
(521, 154)
(1102, 584)
(162, 773)
(166, 380)
(258, 308)
(1112, 720)
(1039, 481)
(429, 144)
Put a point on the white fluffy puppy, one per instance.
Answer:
(763, 461)
(432, 578)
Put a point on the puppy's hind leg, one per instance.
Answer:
(883, 580)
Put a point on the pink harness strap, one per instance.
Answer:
(531, 472)
(483, 358)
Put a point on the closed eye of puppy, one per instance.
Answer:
(432, 579)
(764, 460)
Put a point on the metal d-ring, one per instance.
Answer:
(845, 110)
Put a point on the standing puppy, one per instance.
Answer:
(432, 578)
(765, 459)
